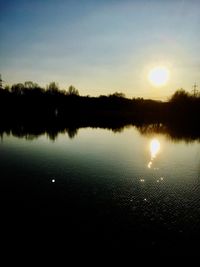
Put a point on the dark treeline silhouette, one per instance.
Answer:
(28, 108)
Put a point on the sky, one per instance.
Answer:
(101, 46)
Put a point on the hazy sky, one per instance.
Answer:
(101, 46)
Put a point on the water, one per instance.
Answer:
(122, 186)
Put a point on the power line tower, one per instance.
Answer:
(194, 90)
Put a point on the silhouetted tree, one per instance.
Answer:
(31, 85)
(53, 88)
(72, 91)
(7, 88)
(17, 88)
(118, 94)
(179, 96)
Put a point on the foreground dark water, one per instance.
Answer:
(134, 185)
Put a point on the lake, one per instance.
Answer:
(123, 185)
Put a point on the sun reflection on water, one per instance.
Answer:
(154, 149)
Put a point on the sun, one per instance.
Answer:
(159, 76)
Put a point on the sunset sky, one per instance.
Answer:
(101, 46)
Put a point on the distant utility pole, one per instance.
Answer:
(194, 90)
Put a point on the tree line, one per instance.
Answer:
(28, 102)
(30, 87)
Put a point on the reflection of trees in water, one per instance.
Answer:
(52, 135)
(72, 132)
(174, 132)
(33, 133)
(118, 130)
(152, 128)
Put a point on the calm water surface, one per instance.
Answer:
(123, 185)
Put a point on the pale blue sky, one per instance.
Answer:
(101, 46)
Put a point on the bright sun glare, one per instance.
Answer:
(159, 76)
(154, 147)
